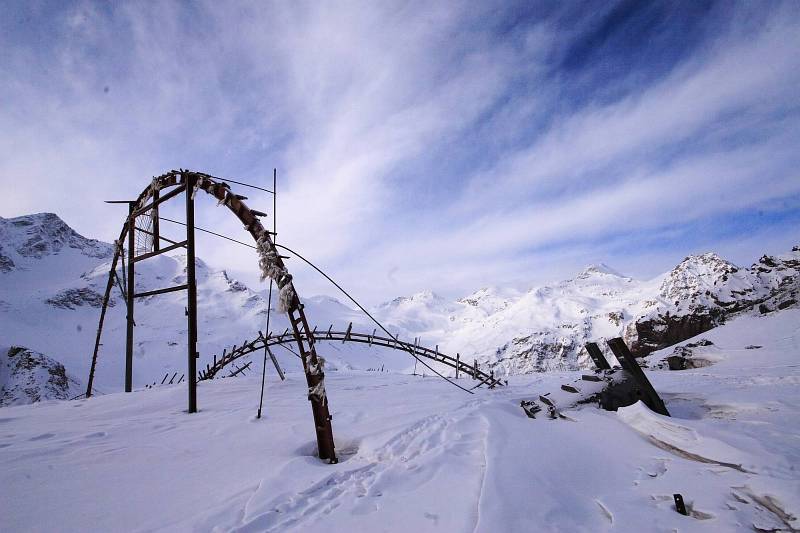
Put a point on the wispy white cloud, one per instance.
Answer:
(345, 98)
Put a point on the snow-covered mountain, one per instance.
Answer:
(546, 327)
(52, 280)
(51, 285)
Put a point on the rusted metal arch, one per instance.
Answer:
(191, 182)
(259, 343)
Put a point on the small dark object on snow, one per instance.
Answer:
(587, 377)
(679, 505)
(763, 309)
(551, 407)
(676, 362)
(569, 388)
(530, 407)
(701, 342)
(752, 347)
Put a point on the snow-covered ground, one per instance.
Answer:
(419, 455)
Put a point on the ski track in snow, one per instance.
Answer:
(418, 455)
(430, 435)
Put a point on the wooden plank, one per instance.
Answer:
(171, 194)
(169, 248)
(630, 365)
(275, 362)
(160, 291)
(597, 356)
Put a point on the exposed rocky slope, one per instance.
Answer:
(547, 327)
(42, 234)
(27, 376)
(702, 291)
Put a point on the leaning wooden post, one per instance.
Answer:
(458, 363)
(415, 355)
(109, 285)
(475, 369)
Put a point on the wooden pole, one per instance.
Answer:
(191, 282)
(154, 215)
(131, 291)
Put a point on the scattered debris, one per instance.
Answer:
(530, 407)
(679, 505)
(701, 342)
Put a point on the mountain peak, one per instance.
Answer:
(708, 258)
(599, 269)
(41, 234)
(696, 274)
(425, 296)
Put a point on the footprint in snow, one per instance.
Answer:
(432, 516)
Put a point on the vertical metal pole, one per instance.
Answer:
(269, 300)
(458, 363)
(131, 292)
(191, 283)
(154, 215)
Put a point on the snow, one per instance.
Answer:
(415, 453)
(419, 455)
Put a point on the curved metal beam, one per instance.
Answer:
(249, 347)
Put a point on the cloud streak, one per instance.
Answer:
(446, 146)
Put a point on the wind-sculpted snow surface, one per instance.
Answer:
(419, 455)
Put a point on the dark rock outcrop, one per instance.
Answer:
(703, 291)
(29, 376)
(72, 298)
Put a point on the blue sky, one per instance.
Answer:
(420, 145)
